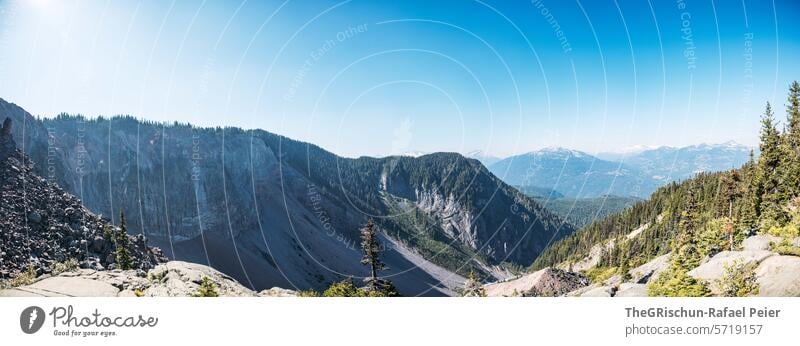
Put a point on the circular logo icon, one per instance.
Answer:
(31, 319)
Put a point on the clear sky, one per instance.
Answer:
(367, 77)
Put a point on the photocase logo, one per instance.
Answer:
(31, 319)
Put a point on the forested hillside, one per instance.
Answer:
(700, 217)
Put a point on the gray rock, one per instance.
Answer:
(651, 270)
(631, 290)
(34, 218)
(277, 292)
(98, 243)
(759, 242)
(602, 291)
(779, 276)
(715, 267)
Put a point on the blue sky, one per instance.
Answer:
(387, 77)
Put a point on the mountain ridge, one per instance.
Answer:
(272, 211)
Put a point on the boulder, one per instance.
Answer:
(98, 243)
(759, 242)
(644, 273)
(277, 292)
(602, 291)
(546, 282)
(779, 276)
(631, 290)
(714, 268)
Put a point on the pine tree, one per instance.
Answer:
(371, 247)
(123, 256)
(473, 286)
(769, 168)
(206, 289)
(729, 193)
(791, 157)
(747, 209)
(793, 117)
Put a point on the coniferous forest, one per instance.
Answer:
(700, 217)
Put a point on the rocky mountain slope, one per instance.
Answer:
(42, 226)
(271, 211)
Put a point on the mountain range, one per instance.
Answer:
(576, 174)
(271, 211)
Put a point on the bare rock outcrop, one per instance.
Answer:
(548, 282)
(171, 279)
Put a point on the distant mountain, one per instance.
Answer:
(539, 192)
(634, 173)
(668, 164)
(271, 211)
(573, 173)
(486, 159)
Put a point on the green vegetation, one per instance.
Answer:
(473, 287)
(206, 289)
(704, 215)
(138, 292)
(121, 241)
(372, 248)
(600, 274)
(24, 278)
(583, 211)
(739, 280)
(785, 248)
(69, 265)
(307, 293)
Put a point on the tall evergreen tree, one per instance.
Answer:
(793, 116)
(769, 178)
(123, 256)
(371, 247)
(791, 157)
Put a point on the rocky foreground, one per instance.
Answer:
(41, 226)
(776, 275)
(171, 279)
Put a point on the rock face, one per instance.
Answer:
(548, 282)
(41, 225)
(171, 279)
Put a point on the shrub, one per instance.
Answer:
(739, 280)
(677, 283)
(206, 289)
(600, 274)
(308, 293)
(139, 293)
(344, 288)
(23, 278)
(714, 236)
(785, 248)
(62, 267)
